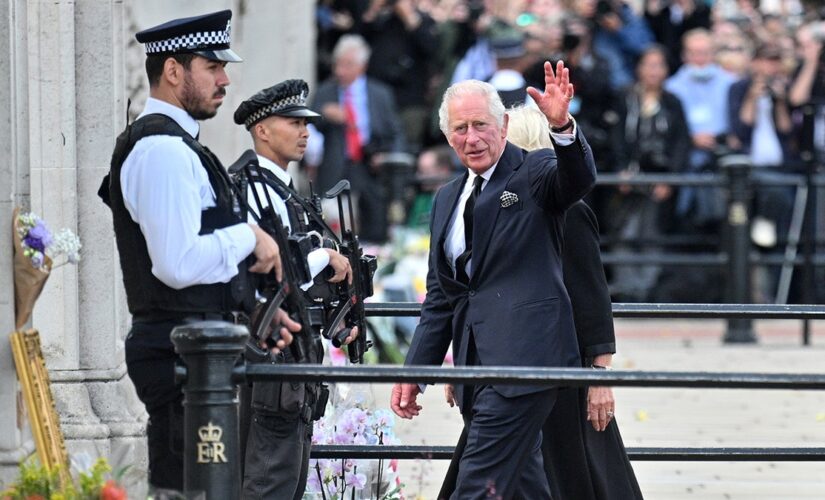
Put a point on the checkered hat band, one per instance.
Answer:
(271, 109)
(202, 40)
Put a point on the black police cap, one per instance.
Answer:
(207, 35)
(287, 98)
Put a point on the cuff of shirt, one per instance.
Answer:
(567, 138)
(244, 239)
(317, 259)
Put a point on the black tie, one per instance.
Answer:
(461, 261)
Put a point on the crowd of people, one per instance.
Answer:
(661, 87)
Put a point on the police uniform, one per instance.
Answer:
(182, 243)
(276, 456)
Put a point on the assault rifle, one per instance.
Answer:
(350, 307)
(293, 250)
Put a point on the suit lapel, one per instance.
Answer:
(488, 204)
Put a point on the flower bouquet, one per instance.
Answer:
(35, 249)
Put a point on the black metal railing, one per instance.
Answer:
(210, 351)
(736, 255)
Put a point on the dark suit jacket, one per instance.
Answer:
(386, 134)
(516, 304)
(580, 463)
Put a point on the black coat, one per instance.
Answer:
(581, 464)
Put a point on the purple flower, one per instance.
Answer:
(39, 237)
(37, 260)
(313, 483)
(357, 481)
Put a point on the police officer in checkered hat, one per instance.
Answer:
(183, 248)
(281, 415)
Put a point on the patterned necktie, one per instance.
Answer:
(353, 136)
(461, 260)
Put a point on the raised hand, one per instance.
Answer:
(558, 92)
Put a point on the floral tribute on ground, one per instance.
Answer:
(354, 423)
(90, 481)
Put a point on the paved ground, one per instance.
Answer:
(685, 417)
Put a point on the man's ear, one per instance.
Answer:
(173, 71)
(504, 125)
(259, 131)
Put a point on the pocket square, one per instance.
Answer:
(508, 198)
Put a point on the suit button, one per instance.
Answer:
(472, 293)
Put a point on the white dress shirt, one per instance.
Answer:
(165, 189)
(318, 259)
(455, 245)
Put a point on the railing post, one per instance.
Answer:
(211, 460)
(809, 157)
(737, 168)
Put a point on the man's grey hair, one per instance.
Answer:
(465, 88)
(354, 43)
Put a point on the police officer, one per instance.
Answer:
(183, 248)
(280, 428)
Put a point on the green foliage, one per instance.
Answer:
(36, 482)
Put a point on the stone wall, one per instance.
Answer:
(68, 68)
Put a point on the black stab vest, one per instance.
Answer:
(146, 295)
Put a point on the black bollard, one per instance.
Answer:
(737, 168)
(211, 461)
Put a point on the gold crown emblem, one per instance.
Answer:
(210, 433)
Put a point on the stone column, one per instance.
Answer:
(15, 442)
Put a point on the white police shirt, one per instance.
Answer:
(165, 189)
(318, 259)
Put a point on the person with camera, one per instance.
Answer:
(619, 36)
(650, 136)
(761, 128)
(404, 41)
(279, 430)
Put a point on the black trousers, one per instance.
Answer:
(279, 435)
(150, 363)
(502, 457)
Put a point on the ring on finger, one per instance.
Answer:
(609, 413)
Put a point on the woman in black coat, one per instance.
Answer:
(584, 455)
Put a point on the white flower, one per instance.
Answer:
(66, 243)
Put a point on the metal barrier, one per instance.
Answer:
(737, 256)
(210, 352)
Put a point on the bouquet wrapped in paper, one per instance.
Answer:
(35, 249)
